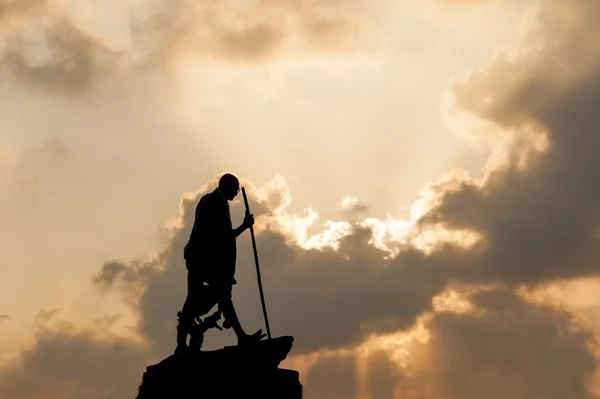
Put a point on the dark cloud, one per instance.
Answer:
(332, 378)
(132, 280)
(507, 349)
(67, 363)
(539, 222)
(382, 376)
(110, 272)
(73, 61)
(44, 49)
(337, 296)
(511, 350)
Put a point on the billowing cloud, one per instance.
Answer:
(44, 47)
(339, 296)
(540, 222)
(506, 350)
(538, 217)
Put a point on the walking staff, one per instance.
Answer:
(260, 288)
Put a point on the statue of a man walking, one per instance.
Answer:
(210, 257)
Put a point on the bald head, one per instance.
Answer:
(229, 186)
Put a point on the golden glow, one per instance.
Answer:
(356, 134)
(388, 234)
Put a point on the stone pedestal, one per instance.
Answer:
(232, 372)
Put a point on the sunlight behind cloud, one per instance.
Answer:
(400, 201)
(389, 234)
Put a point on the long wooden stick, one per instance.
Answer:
(260, 288)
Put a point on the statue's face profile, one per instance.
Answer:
(231, 191)
(229, 186)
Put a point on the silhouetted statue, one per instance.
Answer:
(210, 257)
(247, 370)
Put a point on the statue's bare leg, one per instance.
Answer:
(231, 318)
(199, 301)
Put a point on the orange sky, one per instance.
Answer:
(422, 174)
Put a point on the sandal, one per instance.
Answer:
(251, 339)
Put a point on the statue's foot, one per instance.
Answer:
(181, 349)
(210, 322)
(195, 347)
(196, 340)
(251, 339)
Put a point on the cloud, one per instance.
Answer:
(382, 375)
(50, 51)
(352, 205)
(507, 349)
(43, 47)
(339, 296)
(4, 317)
(504, 348)
(109, 273)
(332, 378)
(539, 219)
(248, 32)
(72, 363)
(536, 211)
(11, 10)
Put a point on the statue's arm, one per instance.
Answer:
(239, 230)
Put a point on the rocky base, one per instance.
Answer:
(233, 372)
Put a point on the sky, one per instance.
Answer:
(423, 177)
